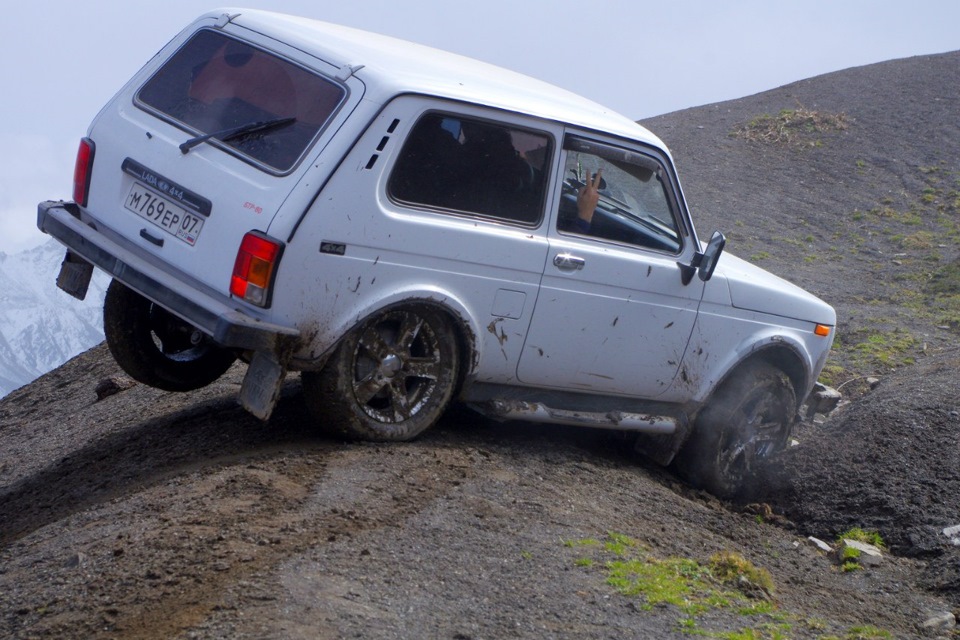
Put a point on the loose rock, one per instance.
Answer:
(953, 534)
(939, 623)
(869, 555)
(820, 544)
(823, 400)
(112, 386)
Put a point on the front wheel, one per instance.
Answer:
(157, 348)
(390, 379)
(749, 418)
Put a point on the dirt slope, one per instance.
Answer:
(866, 216)
(158, 515)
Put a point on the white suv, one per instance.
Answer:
(410, 228)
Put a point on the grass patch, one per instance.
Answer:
(833, 374)
(850, 565)
(677, 581)
(798, 128)
(945, 310)
(918, 241)
(945, 280)
(735, 570)
(727, 584)
(850, 560)
(866, 536)
(884, 349)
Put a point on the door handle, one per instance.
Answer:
(568, 262)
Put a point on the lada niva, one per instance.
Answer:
(410, 228)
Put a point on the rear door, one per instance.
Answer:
(613, 315)
(208, 143)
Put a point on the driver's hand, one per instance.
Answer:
(588, 196)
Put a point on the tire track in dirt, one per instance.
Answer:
(129, 459)
(260, 511)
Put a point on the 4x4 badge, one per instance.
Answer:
(333, 247)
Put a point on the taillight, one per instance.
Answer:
(254, 269)
(82, 171)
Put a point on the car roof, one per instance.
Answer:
(390, 66)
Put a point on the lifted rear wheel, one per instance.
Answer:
(749, 418)
(390, 379)
(157, 348)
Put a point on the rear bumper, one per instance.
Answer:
(213, 314)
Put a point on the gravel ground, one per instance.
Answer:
(156, 515)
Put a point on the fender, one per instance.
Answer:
(786, 343)
(320, 337)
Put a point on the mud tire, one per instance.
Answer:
(390, 379)
(154, 347)
(749, 418)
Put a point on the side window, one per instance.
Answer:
(632, 207)
(474, 167)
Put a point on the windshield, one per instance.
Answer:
(215, 84)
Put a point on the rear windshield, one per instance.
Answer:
(214, 84)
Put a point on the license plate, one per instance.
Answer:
(164, 213)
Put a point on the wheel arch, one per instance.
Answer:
(324, 341)
(779, 354)
(791, 363)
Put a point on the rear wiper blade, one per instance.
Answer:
(236, 132)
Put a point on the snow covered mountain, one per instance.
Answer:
(41, 327)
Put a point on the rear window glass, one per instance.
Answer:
(473, 166)
(214, 84)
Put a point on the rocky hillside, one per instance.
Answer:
(148, 514)
(849, 185)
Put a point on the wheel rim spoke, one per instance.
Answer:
(373, 344)
(761, 427)
(368, 387)
(426, 368)
(409, 330)
(399, 401)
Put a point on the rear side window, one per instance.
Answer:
(475, 167)
(214, 83)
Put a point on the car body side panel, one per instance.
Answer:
(357, 251)
(725, 336)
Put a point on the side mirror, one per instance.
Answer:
(708, 262)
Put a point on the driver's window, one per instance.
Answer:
(632, 206)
